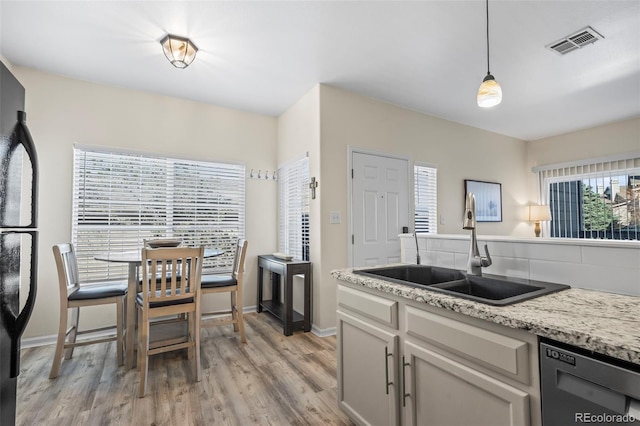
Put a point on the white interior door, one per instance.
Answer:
(379, 208)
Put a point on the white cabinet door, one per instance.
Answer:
(441, 391)
(367, 372)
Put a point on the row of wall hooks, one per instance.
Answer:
(265, 175)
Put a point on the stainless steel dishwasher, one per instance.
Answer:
(579, 387)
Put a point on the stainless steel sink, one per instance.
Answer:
(499, 291)
(489, 289)
(413, 275)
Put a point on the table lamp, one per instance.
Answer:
(538, 214)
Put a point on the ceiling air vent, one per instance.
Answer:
(575, 41)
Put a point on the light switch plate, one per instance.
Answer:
(335, 217)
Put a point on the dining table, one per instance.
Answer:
(134, 260)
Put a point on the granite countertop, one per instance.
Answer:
(602, 322)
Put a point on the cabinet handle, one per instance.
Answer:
(404, 381)
(386, 369)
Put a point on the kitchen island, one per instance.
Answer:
(413, 356)
(601, 322)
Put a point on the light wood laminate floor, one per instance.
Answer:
(270, 380)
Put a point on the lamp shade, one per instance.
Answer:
(490, 92)
(180, 51)
(539, 213)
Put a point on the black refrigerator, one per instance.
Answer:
(18, 235)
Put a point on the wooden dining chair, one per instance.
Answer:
(170, 288)
(231, 283)
(73, 296)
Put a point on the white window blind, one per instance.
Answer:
(597, 198)
(119, 199)
(293, 208)
(426, 198)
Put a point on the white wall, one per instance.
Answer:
(460, 152)
(324, 122)
(616, 138)
(63, 111)
(299, 135)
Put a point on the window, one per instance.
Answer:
(119, 199)
(596, 199)
(426, 196)
(293, 208)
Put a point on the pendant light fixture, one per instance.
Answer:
(490, 93)
(180, 51)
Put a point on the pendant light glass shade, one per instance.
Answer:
(180, 51)
(490, 92)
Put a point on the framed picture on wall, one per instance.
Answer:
(488, 199)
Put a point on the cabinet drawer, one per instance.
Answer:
(274, 267)
(382, 310)
(503, 354)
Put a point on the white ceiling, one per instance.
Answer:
(429, 56)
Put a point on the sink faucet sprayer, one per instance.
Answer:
(415, 234)
(476, 262)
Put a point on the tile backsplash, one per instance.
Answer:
(611, 266)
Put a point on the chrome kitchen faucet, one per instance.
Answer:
(476, 262)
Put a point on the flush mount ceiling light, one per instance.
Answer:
(180, 51)
(490, 93)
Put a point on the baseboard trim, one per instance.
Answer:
(34, 342)
(331, 331)
(212, 315)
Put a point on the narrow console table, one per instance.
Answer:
(291, 319)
